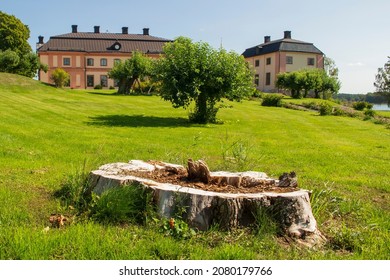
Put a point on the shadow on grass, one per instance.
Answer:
(115, 93)
(138, 121)
(105, 93)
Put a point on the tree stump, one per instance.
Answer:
(290, 209)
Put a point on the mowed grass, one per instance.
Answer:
(48, 135)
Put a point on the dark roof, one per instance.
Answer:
(286, 44)
(104, 42)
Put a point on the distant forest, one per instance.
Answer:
(369, 97)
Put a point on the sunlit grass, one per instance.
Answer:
(47, 135)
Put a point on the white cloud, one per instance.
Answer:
(356, 64)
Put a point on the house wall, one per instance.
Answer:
(78, 68)
(300, 61)
(264, 68)
(279, 65)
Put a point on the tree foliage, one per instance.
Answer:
(130, 71)
(196, 72)
(16, 55)
(382, 81)
(14, 34)
(60, 77)
(301, 82)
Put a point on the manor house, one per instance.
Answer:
(88, 56)
(283, 55)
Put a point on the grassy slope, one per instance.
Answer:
(48, 134)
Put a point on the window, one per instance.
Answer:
(257, 63)
(89, 61)
(310, 61)
(103, 62)
(268, 61)
(117, 61)
(116, 83)
(90, 81)
(66, 61)
(267, 79)
(257, 80)
(289, 60)
(103, 81)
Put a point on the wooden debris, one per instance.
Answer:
(198, 171)
(288, 180)
(57, 220)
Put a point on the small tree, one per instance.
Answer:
(382, 81)
(130, 71)
(307, 80)
(293, 81)
(196, 72)
(60, 77)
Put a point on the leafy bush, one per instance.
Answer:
(311, 105)
(60, 77)
(98, 87)
(361, 105)
(337, 111)
(176, 228)
(369, 113)
(257, 94)
(325, 109)
(274, 100)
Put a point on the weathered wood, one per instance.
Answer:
(198, 171)
(288, 180)
(291, 210)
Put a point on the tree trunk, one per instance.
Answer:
(291, 210)
(125, 86)
(201, 109)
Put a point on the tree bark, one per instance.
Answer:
(125, 86)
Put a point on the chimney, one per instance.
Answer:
(40, 42)
(125, 30)
(267, 39)
(74, 28)
(287, 34)
(146, 31)
(96, 29)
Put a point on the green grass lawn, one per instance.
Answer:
(48, 135)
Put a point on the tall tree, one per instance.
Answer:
(195, 72)
(130, 71)
(330, 67)
(382, 81)
(16, 55)
(14, 35)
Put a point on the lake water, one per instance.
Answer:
(381, 107)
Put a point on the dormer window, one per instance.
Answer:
(116, 46)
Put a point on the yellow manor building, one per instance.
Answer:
(284, 55)
(88, 56)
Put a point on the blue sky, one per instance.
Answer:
(353, 33)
